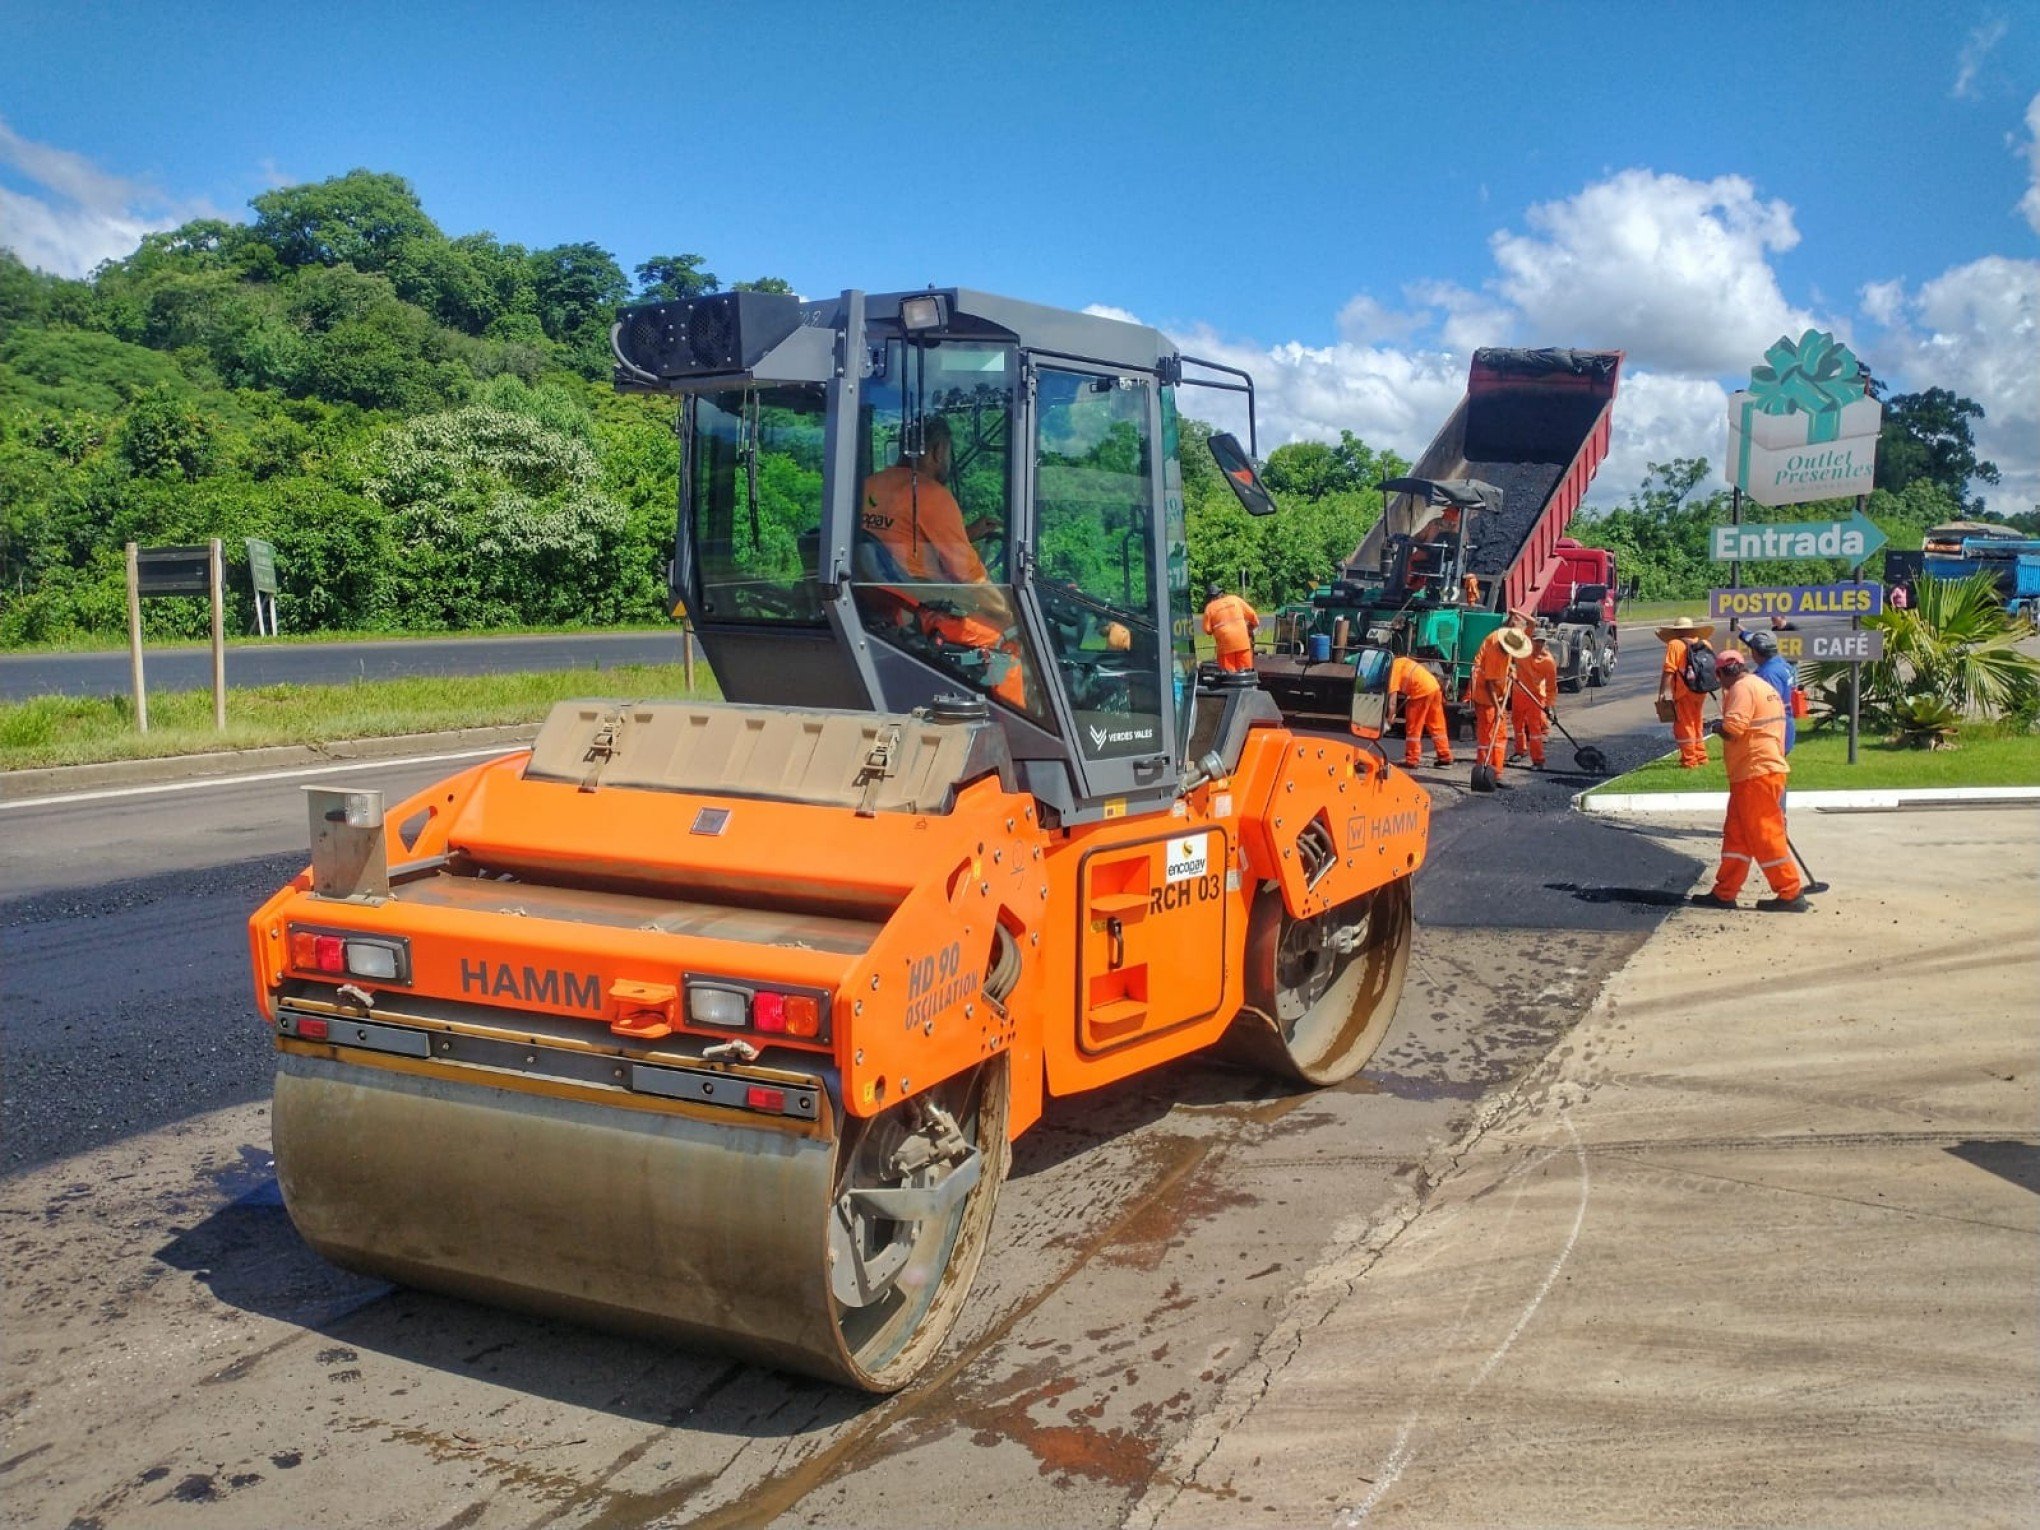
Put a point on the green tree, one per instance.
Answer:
(664, 278)
(362, 219)
(1928, 435)
(777, 284)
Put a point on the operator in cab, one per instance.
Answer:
(912, 532)
(914, 523)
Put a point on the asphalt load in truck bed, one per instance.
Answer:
(1525, 487)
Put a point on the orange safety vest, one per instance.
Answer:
(1753, 729)
(1538, 675)
(920, 526)
(1411, 679)
(1491, 669)
(1231, 622)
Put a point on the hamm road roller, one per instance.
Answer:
(716, 1021)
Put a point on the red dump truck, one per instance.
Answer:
(1512, 464)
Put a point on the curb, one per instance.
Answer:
(1845, 801)
(57, 779)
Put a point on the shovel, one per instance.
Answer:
(1586, 756)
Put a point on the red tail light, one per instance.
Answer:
(309, 1029)
(768, 1011)
(329, 953)
(758, 1097)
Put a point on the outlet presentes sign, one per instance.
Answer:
(1806, 427)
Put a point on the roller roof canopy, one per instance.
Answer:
(984, 315)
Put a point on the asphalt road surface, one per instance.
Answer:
(177, 1356)
(23, 675)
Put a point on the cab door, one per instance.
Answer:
(1094, 580)
(1152, 934)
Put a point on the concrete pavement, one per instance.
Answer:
(1755, 1246)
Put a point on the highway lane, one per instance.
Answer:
(1149, 1236)
(189, 668)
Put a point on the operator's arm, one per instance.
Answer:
(942, 528)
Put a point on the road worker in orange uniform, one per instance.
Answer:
(914, 523)
(1753, 729)
(1689, 728)
(1494, 666)
(1532, 702)
(1231, 623)
(912, 532)
(1423, 711)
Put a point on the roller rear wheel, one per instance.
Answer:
(1322, 991)
(915, 1191)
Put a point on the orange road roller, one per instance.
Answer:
(715, 1021)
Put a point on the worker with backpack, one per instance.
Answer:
(1688, 678)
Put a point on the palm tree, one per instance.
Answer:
(1952, 655)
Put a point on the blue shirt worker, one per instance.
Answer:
(1763, 648)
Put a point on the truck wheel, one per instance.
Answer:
(1321, 992)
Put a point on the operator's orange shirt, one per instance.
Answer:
(1411, 679)
(1538, 675)
(920, 525)
(1231, 623)
(1491, 667)
(1753, 730)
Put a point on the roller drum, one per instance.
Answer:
(712, 1235)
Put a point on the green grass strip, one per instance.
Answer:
(1988, 755)
(79, 730)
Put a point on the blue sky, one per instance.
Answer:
(1345, 197)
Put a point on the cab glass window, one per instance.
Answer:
(755, 511)
(1095, 542)
(934, 513)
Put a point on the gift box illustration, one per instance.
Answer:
(1807, 427)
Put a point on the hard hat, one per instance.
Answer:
(1760, 643)
(1117, 637)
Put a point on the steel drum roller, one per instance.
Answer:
(709, 1234)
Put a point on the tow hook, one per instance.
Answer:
(723, 1051)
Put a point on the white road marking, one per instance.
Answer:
(200, 783)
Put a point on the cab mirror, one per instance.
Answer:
(1370, 692)
(1239, 472)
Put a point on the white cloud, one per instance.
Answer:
(1107, 311)
(1975, 49)
(1675, 271)
(1677, 274)
(2029, 204)
(66, 215)
(1657, 418)
(1976, 329)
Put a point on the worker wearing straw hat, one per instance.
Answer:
(1494, 671)
(1688, 726)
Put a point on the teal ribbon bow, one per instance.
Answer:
(1818, 377)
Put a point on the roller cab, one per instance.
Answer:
(716, 1020)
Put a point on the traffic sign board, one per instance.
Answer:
(1797, 600)
(1854, 539)
(175, 570)
(261, 566)
(1845, 645)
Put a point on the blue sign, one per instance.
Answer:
(1797, 600)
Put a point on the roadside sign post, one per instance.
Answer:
(1805, 429)
(134, 594)
(262, 581)
(156, 571)
(216, 588)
